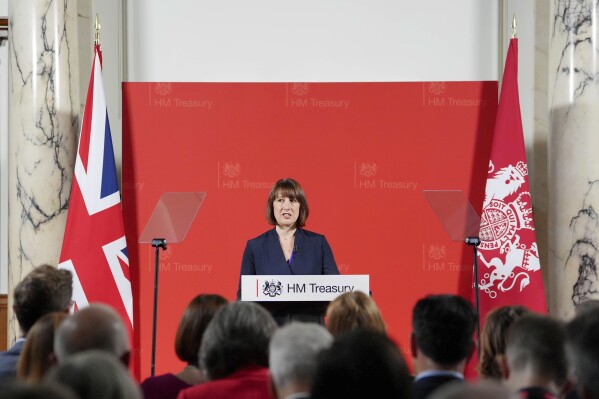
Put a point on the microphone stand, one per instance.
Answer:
(475, 242)
(156, 243)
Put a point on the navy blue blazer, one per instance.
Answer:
(9, 359)
(312, 254)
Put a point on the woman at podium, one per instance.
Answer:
(289, 249)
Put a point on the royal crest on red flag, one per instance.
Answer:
(94, 248)
(509, 267)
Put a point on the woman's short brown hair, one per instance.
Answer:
(195, 319)
(291, 189)
(352, 311)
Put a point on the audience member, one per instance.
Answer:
(587, 305)
(292, 358)
(351, 311)
(492, 340)
(234, 354)
(44, 290)
(490, 389)
(17, 389)
(97, 326)
(442, 341)
(38, 353)
(362, 364)
(535, 359)
(94, 374)
(582, 347)
(191, 329)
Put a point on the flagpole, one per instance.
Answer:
(97, 27)
(156, 243)
(475, 242)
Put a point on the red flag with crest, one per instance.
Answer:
(508, 256)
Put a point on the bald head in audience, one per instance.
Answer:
(97, 326)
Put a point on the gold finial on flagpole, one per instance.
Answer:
(97, 27)
(514, 27)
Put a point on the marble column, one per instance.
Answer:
(43, 121)
(573, 155)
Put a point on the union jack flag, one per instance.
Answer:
(94, 248)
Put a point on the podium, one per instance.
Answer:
(299, 297)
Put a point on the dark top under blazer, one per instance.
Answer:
(263, 255)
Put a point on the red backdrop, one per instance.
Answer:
(363, 153)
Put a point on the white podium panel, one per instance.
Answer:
(281, 288)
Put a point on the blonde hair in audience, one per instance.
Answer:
(354, 310)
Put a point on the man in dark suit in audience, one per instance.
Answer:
(534, 365)
(441, 342)
(44, 290)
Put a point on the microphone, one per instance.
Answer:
(295, 249)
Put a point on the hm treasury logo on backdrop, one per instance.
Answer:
(367, 177)
(507, 231)
(161, 96)
(438, 94)
(303, 96)
(300, 89)
(230, 177)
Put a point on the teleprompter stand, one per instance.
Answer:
(170, 221)
(461, 223)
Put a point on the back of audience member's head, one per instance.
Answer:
(589, 305)
(37, 355)
(483, 389)
(351, 311)
(492, 339)
(97, 326)
(359, 364)
(292, 356)
(17, 389)
(193, 323)
(582, 343)
(443, 329)
(535, 348)
(237, 337)
(44, 290)
(94, 375)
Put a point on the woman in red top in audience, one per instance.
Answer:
(234, 354)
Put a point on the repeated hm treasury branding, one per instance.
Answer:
(161, 96)
(298, 96)
(433, 260)
(230, 178)
(434, 94)
(365, 178)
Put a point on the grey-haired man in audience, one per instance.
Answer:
(292, 359)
